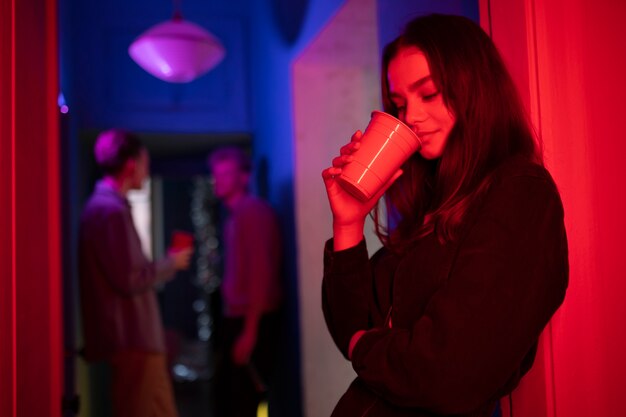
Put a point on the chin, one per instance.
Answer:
(431, 152)
(429, 155)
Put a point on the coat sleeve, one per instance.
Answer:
(121, 257)
(509, 277)
(347, 293)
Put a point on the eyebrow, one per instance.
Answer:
(414, 86)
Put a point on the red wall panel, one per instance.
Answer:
(30, 279)
(575, 70)
(7, 277)
(583, 84)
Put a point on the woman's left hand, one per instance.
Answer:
(349, 213)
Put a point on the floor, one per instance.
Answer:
(194, 399)
(192, 372)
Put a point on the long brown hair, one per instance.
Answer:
(491, 125)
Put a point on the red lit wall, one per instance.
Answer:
(7, 366)
(568, 58)
(30, 281)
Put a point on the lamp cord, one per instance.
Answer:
(178, 15)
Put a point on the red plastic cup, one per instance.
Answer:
(386, 144)
(181, 240)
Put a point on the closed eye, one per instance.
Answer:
(430, 97)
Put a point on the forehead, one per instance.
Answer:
(225, 165)
(407, 67)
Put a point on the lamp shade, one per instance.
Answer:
(176, 51)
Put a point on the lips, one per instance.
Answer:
(425, 135)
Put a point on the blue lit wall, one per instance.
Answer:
(249, 93)
(111, 90)
(279, 34)
(392, 19)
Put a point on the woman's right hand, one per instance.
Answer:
(349, 212)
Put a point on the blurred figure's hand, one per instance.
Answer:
(243, 347)
(181, 257)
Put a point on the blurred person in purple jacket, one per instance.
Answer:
(251, 287)
(121, 319)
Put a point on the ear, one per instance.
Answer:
(129, 168)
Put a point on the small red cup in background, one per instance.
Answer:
(181, 240)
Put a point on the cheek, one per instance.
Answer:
(223, 183)
(444, 115)
(446, 119)
(451, 119)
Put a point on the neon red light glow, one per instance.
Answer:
(564, 55)
(55, 295)
(30, 252)
(13, 221)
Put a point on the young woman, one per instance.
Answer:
(445, 318)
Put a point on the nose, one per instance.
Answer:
(415, 113)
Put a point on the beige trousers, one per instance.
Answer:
(141, 385)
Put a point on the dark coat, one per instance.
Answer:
(466, 316)
(117, 281)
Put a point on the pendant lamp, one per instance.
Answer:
(177, 51)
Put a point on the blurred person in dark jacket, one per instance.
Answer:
(251, 287)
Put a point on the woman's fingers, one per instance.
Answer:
(330, 173)
(355, 143)
(350, 148)
(342, 160)
(356, 136)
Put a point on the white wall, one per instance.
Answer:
(336, 86)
